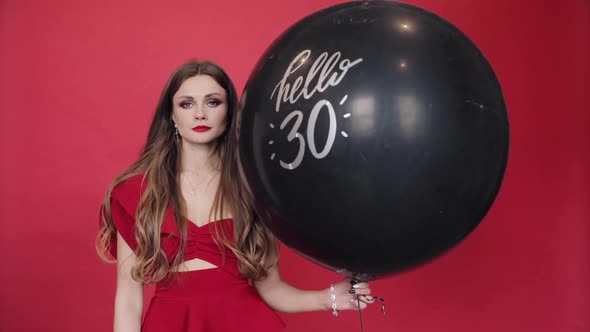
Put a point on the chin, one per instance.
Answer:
(201, 141)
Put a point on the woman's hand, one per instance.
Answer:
(346, 295)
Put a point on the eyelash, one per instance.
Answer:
(216, 101)
(185, 103)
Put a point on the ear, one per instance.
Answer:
(173, 120)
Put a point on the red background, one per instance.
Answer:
(79, 81)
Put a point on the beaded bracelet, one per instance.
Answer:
(333, 299)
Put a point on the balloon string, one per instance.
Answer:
(358, 302)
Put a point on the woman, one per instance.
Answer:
(181, 217)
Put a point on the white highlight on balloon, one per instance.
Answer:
(364, 116)
(271, 142)
(273, 156)
(410, 115)
(403, 26)
(344, 133)
(347, 115)
(271, 125)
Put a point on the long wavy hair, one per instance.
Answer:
(159, 162)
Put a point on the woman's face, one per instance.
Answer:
(200, 110)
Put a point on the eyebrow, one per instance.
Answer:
(206, 96)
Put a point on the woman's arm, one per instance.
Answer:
(129, 297)
(285, 298)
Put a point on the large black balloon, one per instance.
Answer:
(374, 136)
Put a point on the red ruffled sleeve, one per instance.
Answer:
(124, 200)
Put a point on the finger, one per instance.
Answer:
(356, 302)
(361, 291)
(360, 285)
(367, 299)
(363, 305)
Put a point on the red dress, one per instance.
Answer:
(211, 300)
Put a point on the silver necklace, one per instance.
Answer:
(194, 188)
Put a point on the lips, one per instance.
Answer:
(201, 129)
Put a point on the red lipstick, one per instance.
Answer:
(201, 129)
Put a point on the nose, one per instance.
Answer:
(199, 113)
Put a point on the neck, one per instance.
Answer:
(198, 158)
